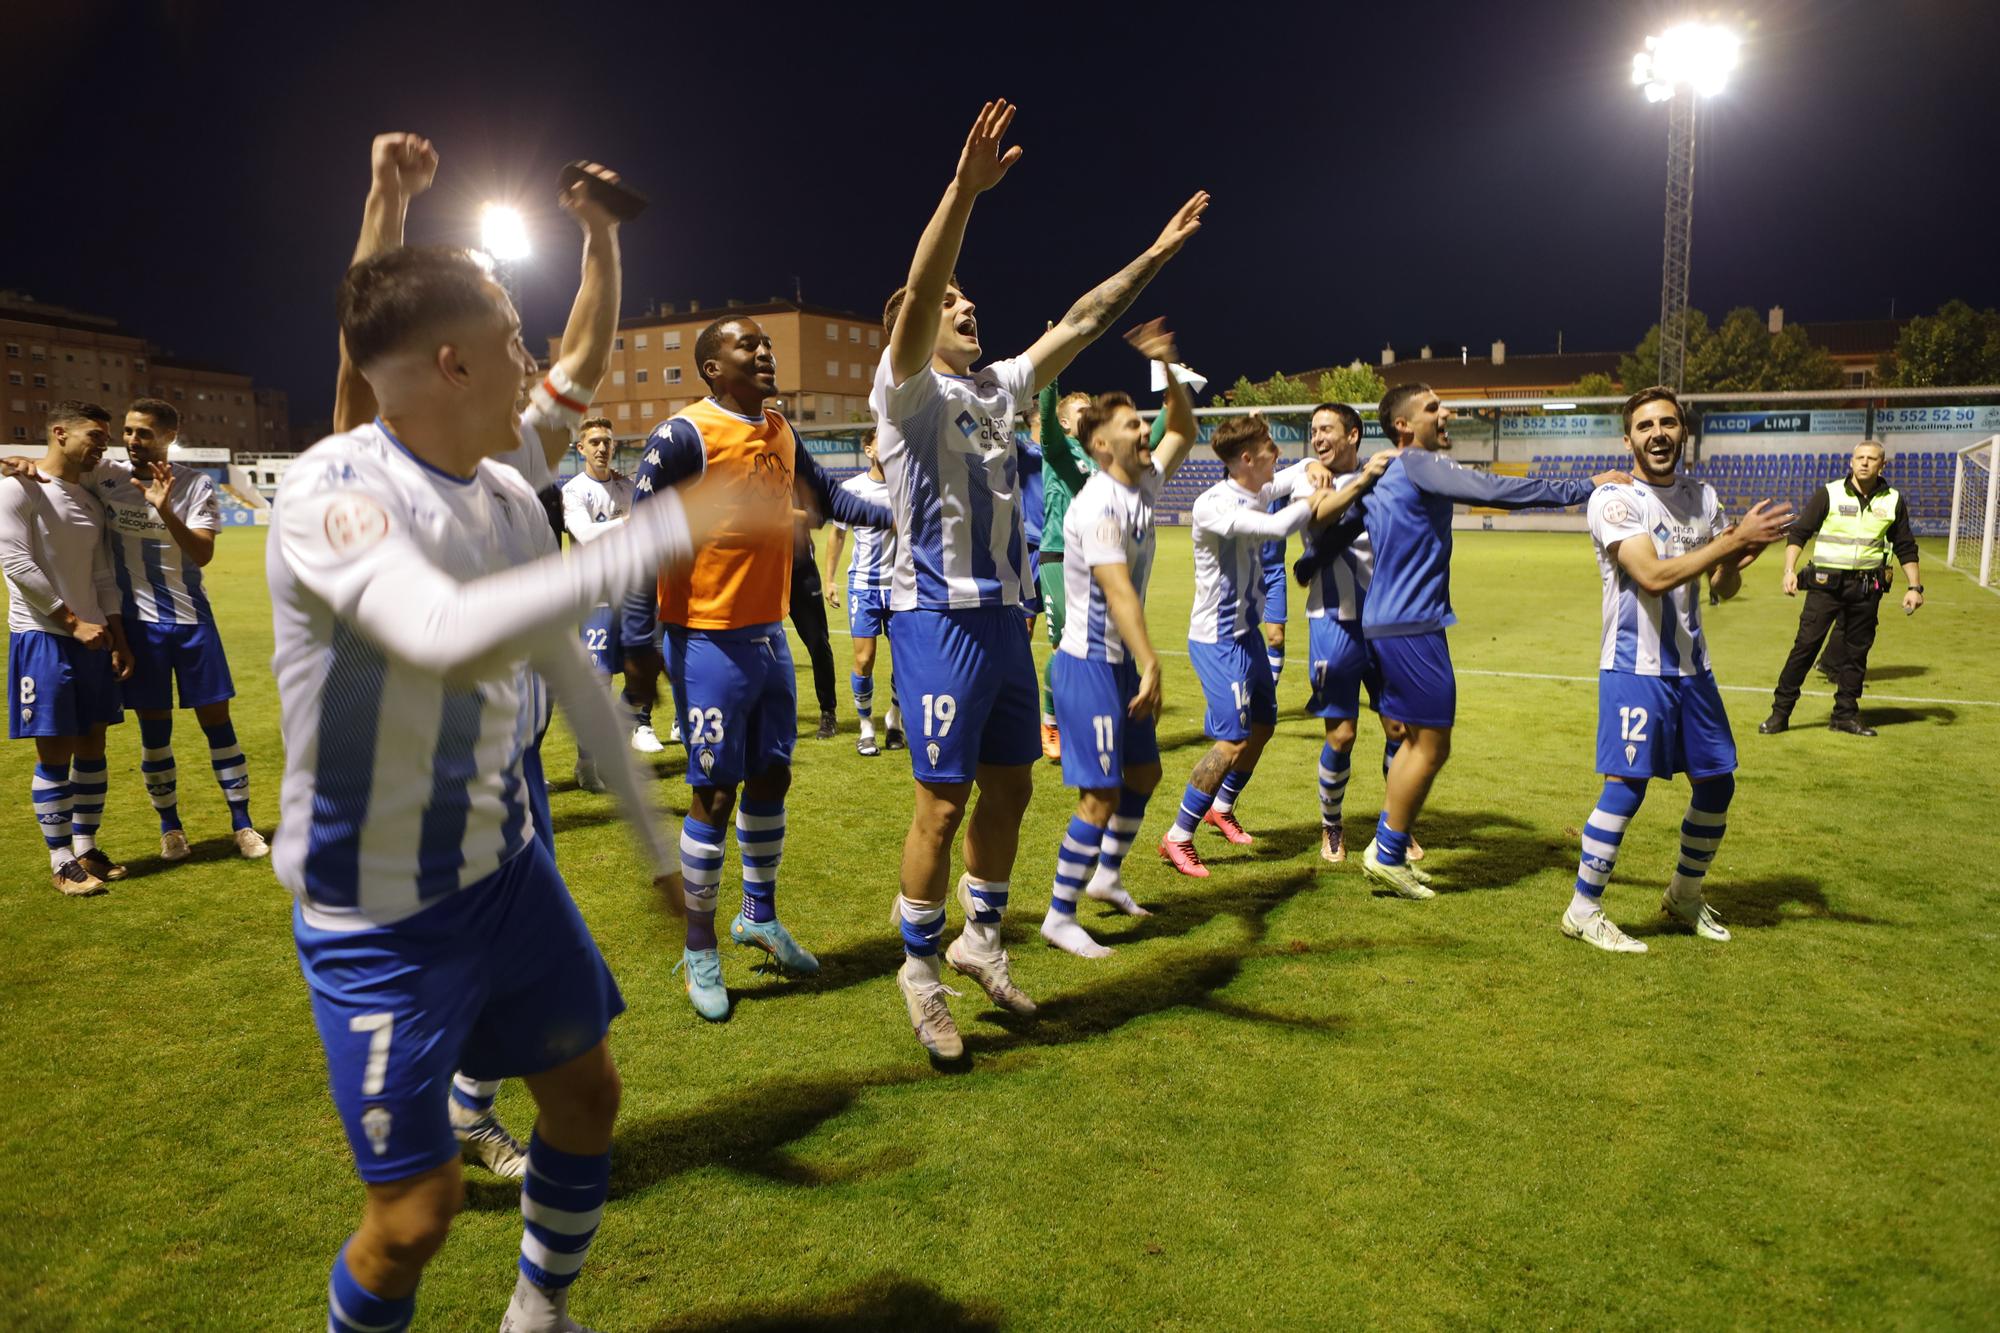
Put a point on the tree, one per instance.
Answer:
(1958, 345)
(1596, 384)
(1642, 368)
(1352, 383)
(1742, 356)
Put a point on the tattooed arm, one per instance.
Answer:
(1103, 304)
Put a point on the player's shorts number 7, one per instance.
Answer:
(381, 1027)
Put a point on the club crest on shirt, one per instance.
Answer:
(354, 522)
(1104, 762)
(1631, 753)
(706, 759)
(931, 751)
(375, 1122)
(1617, 511)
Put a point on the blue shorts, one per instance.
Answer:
(1418, 687)
(1657, 726)
(1277, 592)
(867, 612)
(738, 702)
(603, 642)
(967, 685)
(1236, 680)
(500, 980)
(163, 654)
(58, 687)
(1342, 662)
(1101, 739)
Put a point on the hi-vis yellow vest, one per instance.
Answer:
(1856, 532)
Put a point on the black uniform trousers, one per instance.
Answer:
(809, 619)
(1847, 600)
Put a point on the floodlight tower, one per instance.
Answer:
(1680, 66)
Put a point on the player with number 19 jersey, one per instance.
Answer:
(1659, 711)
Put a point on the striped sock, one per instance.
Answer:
(1602, 834)
(1233, 784)
(156, 766)
(87, 784)
(1276, 657)
(760, 840)
(1194, 804)
(1074, 861)
(922, 924)
(1391, 848)
(863, 688)
(1334, 768)
(51, 796)
(352, 1308)
(474, 1094)
(701, 872)
(232, 772)
(1389, 749)
(1706, 821)
(562, 1201)
(989, 905)
(1119, 836)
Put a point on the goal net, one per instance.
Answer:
(1969, 548)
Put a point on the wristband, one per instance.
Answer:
(559, 400)
(1917, 588)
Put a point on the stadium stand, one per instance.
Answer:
(1742, 479)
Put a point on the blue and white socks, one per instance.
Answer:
(1075, 860)
(1334, 768)
(1603, 832)
(472, 1097)
(352, 1308)
(1391, 848)
(922, 924)
(701, 873)
(1233, 783)
(51, 796)
(232, 772)
(562, 1202)
(1276, 657)
(1707, 819)
(156, 766)
(1108, 884)
(87, 784)
(1194, 805)
(760, 839)
(863, 688)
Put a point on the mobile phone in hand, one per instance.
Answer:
(621, 201)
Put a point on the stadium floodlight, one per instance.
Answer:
(502, 233)
(1682, 65)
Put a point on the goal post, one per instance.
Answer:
(1975, 486)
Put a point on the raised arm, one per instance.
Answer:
(157, 485)
(401, 167)
(1105, 303)
(1155, 342)
(981, 164)
(1061, 454)
(593, 321)
(1439, 476)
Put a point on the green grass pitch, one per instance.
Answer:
(1283, 1102)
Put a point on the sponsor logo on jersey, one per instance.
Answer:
(966, 423)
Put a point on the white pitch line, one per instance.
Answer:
(1870, 696)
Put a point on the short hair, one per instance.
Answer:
(164, 414)
(1238, 435)
(592, 423)
(1350, 420)
(1659, 392)
(1876, 445)
(74, 412)
(1098, 413)
(390, 298)
(1394, 402)
(708, 344)
(894, 306)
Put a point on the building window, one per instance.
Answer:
(180, 394)
(13, 377)
(854, 370)
(624, 411)
(617, 377)
(874, 337)
(671, 339)
(854, 334)
(38, 353)
(639, 376)
(69, 356)
(41, 381)
(833, 333)
(13, 349)
(20, 404)
(138, 363)
(639, 341)
(645, 411)
(673, 374)
(20, 432)
(617, 344)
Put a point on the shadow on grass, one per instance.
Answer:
(747, 1128)
(1898, 672)
(886, 1301)
(1761, 903)
(1486, 849)
(1893, 717)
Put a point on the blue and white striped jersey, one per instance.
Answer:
(1108, 523)
(1644, 634)
(156, 583)
(873, 564)
(592, 508)
(1231, 526)
(946, 444)
(1341, 585)
(401, 786)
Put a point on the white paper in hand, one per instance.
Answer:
(1195, 381)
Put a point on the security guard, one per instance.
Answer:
(1860, 521)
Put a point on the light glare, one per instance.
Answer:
(502, 234)
(1695, 56)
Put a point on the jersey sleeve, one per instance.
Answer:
(1061, 454)
(839, 503)
(1016, 378)
(1103, 537)
(1614, 515)
(1440, 476)
(18, 556)
(204, 510)
(902, 401)
(674, 454)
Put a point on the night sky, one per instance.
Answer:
(1443, 172)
